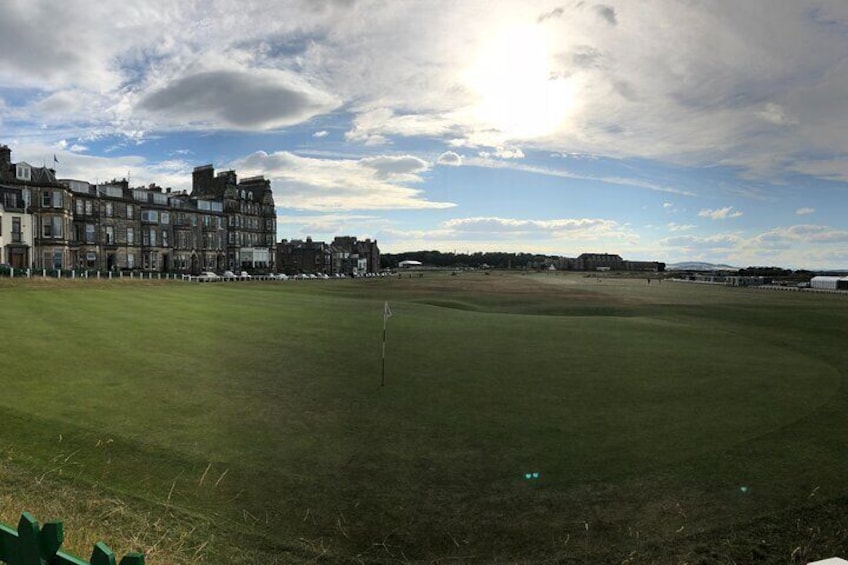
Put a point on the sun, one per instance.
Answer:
(518, 93)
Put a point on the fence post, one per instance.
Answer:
(33, 546)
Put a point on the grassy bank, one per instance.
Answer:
(663, 419)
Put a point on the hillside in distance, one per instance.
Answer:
(699, 266)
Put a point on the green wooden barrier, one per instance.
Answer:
(33, 546)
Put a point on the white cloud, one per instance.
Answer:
(449, 158)
(492, 225)
(776, 114)
(373, 183)
(255, 100)
(321, 133)
(720, 213)
(804, 211)
(561, 236)
(503, 153)
(679, 227)
(410, 72)
(797, 246)
(327, 226)
(830, 169)
(397, 166)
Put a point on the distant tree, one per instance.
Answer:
(764, 272)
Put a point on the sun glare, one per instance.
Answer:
(519, 96)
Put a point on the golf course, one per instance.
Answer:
(525, 418)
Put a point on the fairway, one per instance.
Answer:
(666, 422)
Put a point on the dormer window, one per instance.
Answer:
(23, 172)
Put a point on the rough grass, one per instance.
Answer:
(246, 422)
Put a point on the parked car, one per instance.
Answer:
(244, 275)
(279, 276)
(229, 275)
(208, 276)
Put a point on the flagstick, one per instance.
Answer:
(383, 372)
(387, 313)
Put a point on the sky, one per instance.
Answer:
(666, 130)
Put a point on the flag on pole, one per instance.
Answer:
(387, 312)
(55, 160)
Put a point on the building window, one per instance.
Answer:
(23, 172)
(152, 237)
(166, 218)
(110, 235)
(89, 233)
(57, 199)
(57, 227)
(16, 230)
(78, 206)
(45, 199)
(89, 205)
(131, 260)
(108, 209)
(57, 259)
(164, 238)
(130, 211)
(130, 236)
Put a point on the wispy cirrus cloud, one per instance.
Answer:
(720, 213)
(671, 226)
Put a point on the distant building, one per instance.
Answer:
(609, 262)
(345, 255)
(829, 283)
(357, 257)
(598, 261)
(304, 257)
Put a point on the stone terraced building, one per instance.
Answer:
(223, 223)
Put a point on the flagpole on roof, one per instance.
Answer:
(387, 313)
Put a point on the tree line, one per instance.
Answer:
(478, 260)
